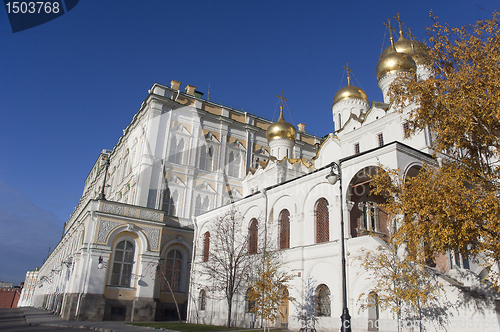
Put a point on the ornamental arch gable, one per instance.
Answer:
(131, 230)
(276, 208)
(254, 211)
(320, 190)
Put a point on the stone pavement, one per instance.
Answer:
(39, 317)
(12, 320)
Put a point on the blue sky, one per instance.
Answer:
(69, 87)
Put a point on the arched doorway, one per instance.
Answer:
(373, 312)
(366, 215)
(284, 308)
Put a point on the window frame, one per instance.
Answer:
(380, 139)
(321, 302)
(356, 148)
(324, 236)
(283, 231)
(253, 236)
(182, 277)
(133, 269)
(202, 300)
(231, 167)
(206, 246)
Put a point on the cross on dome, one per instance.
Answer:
(281, 100)
(348, 73)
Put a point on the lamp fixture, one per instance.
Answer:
(100, 264)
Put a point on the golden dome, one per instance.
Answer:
(417, 50)
(281, 129)
(350, 92)
(394, 61)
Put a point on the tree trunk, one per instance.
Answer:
(229, 307)
(173, 296)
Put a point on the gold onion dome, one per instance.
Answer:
(280, 129)
(417, 50)
(350, 92)
(394, 61)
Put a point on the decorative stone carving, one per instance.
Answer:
(153, 235)
(105, 227)
(132, 212)
(150, 215)
(115, 209)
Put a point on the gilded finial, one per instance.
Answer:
(411, 39)
(399, 23)
(348, 73)
(391, 29)
(282, 99)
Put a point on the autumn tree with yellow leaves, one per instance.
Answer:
(269, 288)
(453, 204)
(405, 286)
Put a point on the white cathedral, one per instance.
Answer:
(134, 246)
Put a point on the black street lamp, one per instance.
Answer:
(345, 318)
(106, 164)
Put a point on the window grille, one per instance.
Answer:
(322, 221)
(253, 235)
(323, 303)
(206, 246)
(284, 229)
(380, 138)
(406, 129)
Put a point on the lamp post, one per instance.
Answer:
(345, 318)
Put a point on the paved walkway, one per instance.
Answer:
(39, 317)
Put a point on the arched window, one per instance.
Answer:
(202, 300)
(323, 301)
(176, 152)
(252, 236)
(173, 148)
(206, 246)
(201, 205)
(249, 305)
(373, 312)
(207, 158)
(284, 229)
(205, 205)
(122, 264)
(169, 200)
(233, 168)
(322, 221)
(173, 270)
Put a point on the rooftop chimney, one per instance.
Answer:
(190, 89)
(176, 85)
